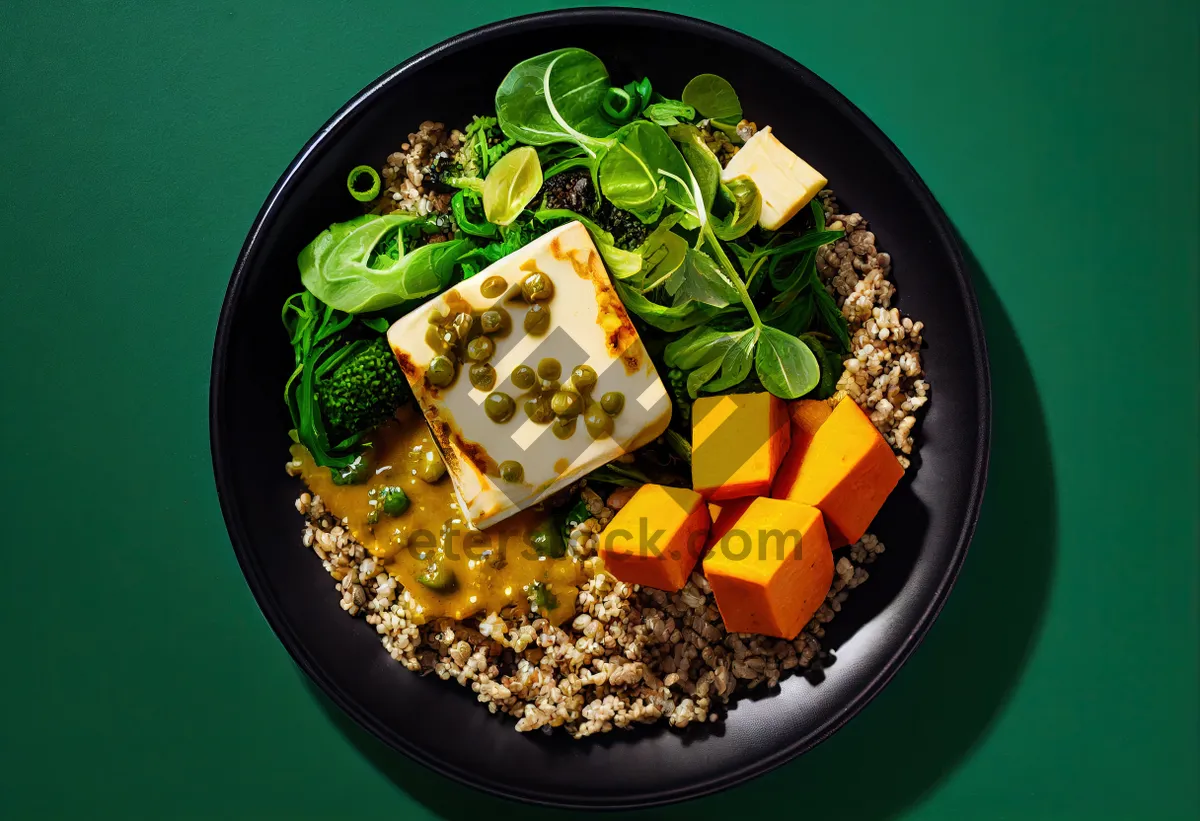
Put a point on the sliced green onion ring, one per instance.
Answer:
(359, 194)
(618, 104)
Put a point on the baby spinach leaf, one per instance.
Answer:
(664, 261)
(700, 279)
(699, 345)
(713, 97)
(668, 112)
(785, 365)
(670, 319)
(746, 202)
(735, 365)
(704, 164)
(342, 270)
(697, 378)
(631, 170)
(555, 97)
(620, 263)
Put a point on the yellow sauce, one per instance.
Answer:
(493, 568)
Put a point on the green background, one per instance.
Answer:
(137, 142)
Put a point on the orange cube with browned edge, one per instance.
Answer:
(807, 415)
(738, 442)
(656, 538)
(771, 569)
(847, 472)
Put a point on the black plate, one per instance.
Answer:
(926, 525)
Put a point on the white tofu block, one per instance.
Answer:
(588, 326)
(786, 182)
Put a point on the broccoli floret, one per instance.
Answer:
(362, 390)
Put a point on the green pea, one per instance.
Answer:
(564, 427)
(523, 377)
(441, 371)
(583, 378)
(493, 287)
(481, 348)
(613, 402)
(537, 287)
(547, 540)
(438, 577)
(499, 407)
(354, 473)
(537, 319)
(431, 467)
(539, 410)
(394, 500)
(483, 376)
(462, 324)
(511, 471)
(494, 321)
(599, 424)
(434, 339)
(549, 368)
(566, 403)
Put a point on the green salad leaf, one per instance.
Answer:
(705, 166)
(699, 279)
(713, 97)
(630, 171)
(786, 366)
(741, 195)
(512, 184)
(344, 268)
(670, 319)
(555, 97)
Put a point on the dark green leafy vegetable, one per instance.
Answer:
(785, 365)
(743, 197)
(670, 319)
(706, 168)
(713, 97)
(467, 209)
(555, 97)
(679, 444)
(360, 265)
(699, 279)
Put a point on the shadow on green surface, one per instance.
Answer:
(931, 717)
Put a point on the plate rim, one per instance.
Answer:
(942, 230)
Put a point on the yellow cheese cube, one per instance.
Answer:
(786, 182)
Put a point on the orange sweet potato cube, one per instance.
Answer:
(738, 442)
(847, 472)
(807, 416)
(771, 569)
(657, 537)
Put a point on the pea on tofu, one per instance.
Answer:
(439, 578)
